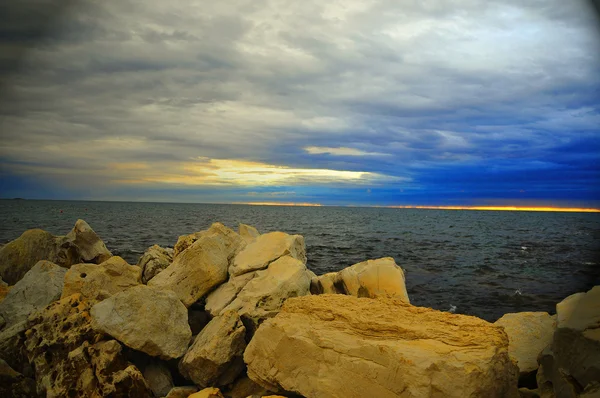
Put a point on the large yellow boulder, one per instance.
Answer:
(343, 346)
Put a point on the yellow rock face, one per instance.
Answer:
(210, 392)
(343, 346)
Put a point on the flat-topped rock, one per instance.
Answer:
(153, 261)
(266, 249)
(337, 345)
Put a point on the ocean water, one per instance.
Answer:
(486, 263)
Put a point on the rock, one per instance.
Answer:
(158, 377)
(70, 358)
(221, 297)
(215, 357)
(210, 392)
(360, 347)
(40, 286)
(14, 384)
(373, 278)
(80, 245)
(266, 249)
(98, 282)
(263, 296)
(197, 270)
(91, 248)
(182, 392)
(527, 393)
(528, 334)
(11, 343)
(232, 241)
(571, 364)
(4, 289)
(244, 387)
(145, 319)
(325, 284)
(248, 233)
(153, 261)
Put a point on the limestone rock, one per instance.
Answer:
(98, 282)
(182, 392)
(4, 289)
(360, 347)
(210, 392)
(528, 393)
(263, 296)
(70, 358)
(215, 357)
(146, 319)
(153, 261)
(232, 241)
(266, 249)
(248, 232)
(528, 334)
(11, 343)
(40, 286)
(91, 248)
(325, 284)
(14, 384)
(197, 270)
(222, 296)
(158, 377)
(374, 278)
(245, 387)
(571, 364)
(80, 245)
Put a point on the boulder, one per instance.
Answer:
(215, 357)
(244, 387)
(90, 247)
(232, 241)
(197, 270)
(153, 261)
(11, 344)
(182, 392)
(248, 233)
(210, 392)
(373, 278)
(528, 393)
(4, 289)
(14, 384)
(325, 284)
(71, 359)
(263, 296)
(528, 334)
(571, 364)
(145, 319)
(158, 377)
(98, 282)
(80, 245)
(222, 296)
(266, 249)
(338, 345)
(40, 286)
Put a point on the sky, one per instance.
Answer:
(370, 102)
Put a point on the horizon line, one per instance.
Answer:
(307, 204)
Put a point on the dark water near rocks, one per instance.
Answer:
(474, 260)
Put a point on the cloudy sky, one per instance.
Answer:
(374, 102)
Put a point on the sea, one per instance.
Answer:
(481, 263)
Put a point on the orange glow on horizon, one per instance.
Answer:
(501, 208)
(278, 204)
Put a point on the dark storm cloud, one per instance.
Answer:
(426, 96)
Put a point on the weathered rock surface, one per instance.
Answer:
(371, 278)
(571, 364)
(97, 282)
(222, 296)
(90, 247)
(263, 296)
(11, 343)
(146, 319)
(232, 241)
(201, 267)
(244, 387)
(248, 233)
(210, 392)
(4, 289)
(153, 261)
(14, 384)
(528, 334)
(70, 358)
(266, 249)
(359, 347)
(40, 286)
(215, 357)
(80, 245)
(158, 377)
(182, 392)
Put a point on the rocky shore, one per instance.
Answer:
(239, 314)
